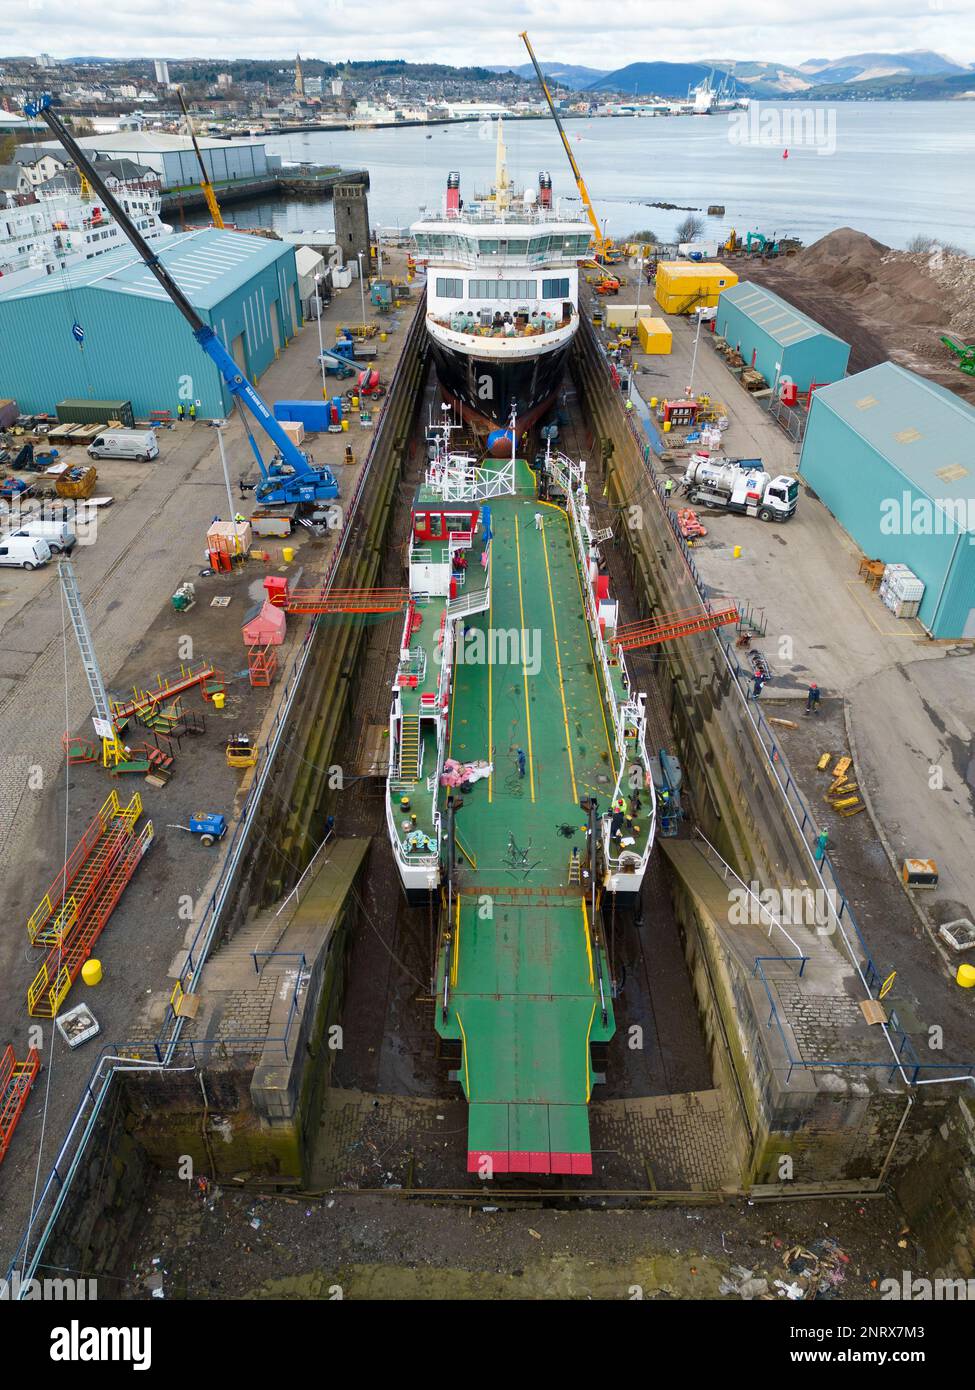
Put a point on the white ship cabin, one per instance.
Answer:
(506, 265)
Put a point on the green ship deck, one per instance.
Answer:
(524, 996)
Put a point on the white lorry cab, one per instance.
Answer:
(60, 537)
(26, 552)
(124, 444)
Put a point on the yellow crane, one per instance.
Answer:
(207, 187)
(606, 252)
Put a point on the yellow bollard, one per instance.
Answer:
(736, 553)
(91, 971)
(383, 337)
(965, 976)
(288, 554)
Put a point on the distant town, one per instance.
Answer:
(259, 98)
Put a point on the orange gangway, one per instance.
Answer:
(16, 1080)
(41, 928)
(64, 961)
(649, 631)
(344, 601)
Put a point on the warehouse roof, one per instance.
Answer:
(922, 430)
(207, 265)
(773, 315)
(147, 142)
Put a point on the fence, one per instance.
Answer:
(165, 1051)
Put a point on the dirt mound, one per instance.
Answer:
(885, 303)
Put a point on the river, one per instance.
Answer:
(893, 170)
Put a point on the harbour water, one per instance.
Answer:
(892, 170)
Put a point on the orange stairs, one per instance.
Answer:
(346, 601)
(112, 812)
(64, 961)
(16, 1080)
(148, 701)
(670, 625)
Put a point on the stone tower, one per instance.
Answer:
(351, 207)
(299, 80)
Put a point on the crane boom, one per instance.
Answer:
(285, 483)
(213, 206)
(602, 245)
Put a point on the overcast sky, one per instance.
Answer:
(573, 31)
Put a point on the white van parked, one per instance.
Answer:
(124, 444)
(24, 551)
(59, 535)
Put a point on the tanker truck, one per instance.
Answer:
(740, 485)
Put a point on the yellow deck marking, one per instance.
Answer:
(592, 652)
(558, 663)
(588, 1067)
(463, 1038)
(585, 927)
(456, 952)
(524, 668)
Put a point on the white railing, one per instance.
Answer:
(474, 601)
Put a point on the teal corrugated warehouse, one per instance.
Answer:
(893, 457)
(777, 339)
(136, 344)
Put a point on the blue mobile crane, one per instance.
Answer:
(290, 478)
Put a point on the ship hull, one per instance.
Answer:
(484, 387)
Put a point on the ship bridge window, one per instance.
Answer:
(449, 288)
(488, 247)
(556, 289)
(503, 289)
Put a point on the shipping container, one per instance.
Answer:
(312, 414)
(655, 336)
(83, 412)
(682, 286)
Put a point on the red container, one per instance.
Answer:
(789, 393)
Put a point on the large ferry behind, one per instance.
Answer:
(502, 296)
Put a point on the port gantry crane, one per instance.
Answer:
(290, 478)
(606, 252)
(213, 207)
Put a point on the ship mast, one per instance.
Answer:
(502, 188)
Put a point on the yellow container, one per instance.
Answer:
(682, 286)
(219, 700)
(91, 971)
(965, 976)
(345, 424)
(383, 337)
(655, 336)
(666, 427)
(288, 554)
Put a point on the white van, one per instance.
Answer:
(124, 444)
(25, 551)
(59, 535)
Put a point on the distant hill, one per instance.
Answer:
(654, 79)
(936, 87)
(568, 74)
(861, 67)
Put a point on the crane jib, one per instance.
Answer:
(279, 487)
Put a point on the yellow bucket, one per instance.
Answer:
(288, 554)
(91, 971)
(345, 424)
(355, 402)
(219, 700)
(666, 427)
(383, 337)
(965, 976)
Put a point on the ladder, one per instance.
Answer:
(409, 746)
(103, 721)
(575, 872)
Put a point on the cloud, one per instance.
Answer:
(431, 31)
